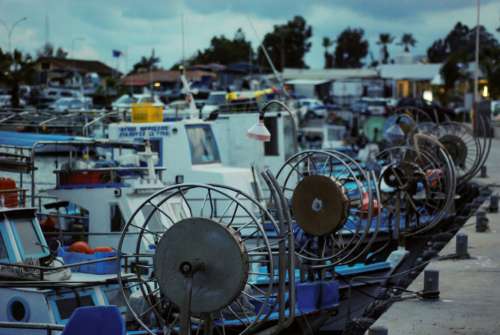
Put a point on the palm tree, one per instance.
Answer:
(327, 43)
(147, 63)
(384, 40)
(16, 69)
(407, 40)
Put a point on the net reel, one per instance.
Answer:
(464, 148)
(333, 202)
(212, 269)
(417, 186)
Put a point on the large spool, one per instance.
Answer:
(218, 255)
(333, 203)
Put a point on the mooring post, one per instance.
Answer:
(481, 222)
(378, 330)
(493, 203)
(462, 245)
(431, 285)
(484, 172)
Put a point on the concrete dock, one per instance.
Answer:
(469, 289)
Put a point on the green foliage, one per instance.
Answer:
(146, 64)
(351, 48)
(384, 40)
(287, 44)
(329, 60)
(458, 47)
(16, 69)
(48, 50)
(407, 41)
(225, 51)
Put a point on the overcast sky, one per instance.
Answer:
(137, 26)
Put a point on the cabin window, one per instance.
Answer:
(117, 220)
(202, 144)
(66, 306)
(271, 148)
(28, 238)
(3, 249)
(155, 221)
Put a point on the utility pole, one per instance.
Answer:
(475, 99)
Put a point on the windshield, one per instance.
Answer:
(126, 99)
(216, 99)
(202, 144)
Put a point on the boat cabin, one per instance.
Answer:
(190, 150)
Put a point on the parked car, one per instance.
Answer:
(370, 106)
(215, 99)
(311, 108)
(71, 104)
(125, 101)
(5, 101)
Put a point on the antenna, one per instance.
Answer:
(273, 68)
(183, 43)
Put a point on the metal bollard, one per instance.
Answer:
(462, 245)
(431, 285)
(481, 222)
(484, 172)
(493, 203)
(378, 330)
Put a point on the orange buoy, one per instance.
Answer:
(103, 249)
(81, 247)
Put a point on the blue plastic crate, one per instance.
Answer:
(101, 268)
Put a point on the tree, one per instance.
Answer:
(16, 69)
(408, 41)
(456, 39)
(351, 48)
(384, 40)
(146, 64)
(48, 50)
(287, 44)
(458, 47)
(225, 51)
(327, 43)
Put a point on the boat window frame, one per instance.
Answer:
(205, 127)
(124, 222)
(39, 234)
(52, 300)
(9, 248)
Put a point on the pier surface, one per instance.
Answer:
(469, 289)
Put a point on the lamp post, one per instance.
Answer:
(259, 131)
(10, 30)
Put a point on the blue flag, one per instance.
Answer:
(117, 53)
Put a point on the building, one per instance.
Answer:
(410, 80)
(166, 80)
(73, 73)
(341, 85)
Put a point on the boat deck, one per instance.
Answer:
(469, 289)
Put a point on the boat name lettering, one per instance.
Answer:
(144, 131)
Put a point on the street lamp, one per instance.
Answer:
(259, 131)
(10, 30)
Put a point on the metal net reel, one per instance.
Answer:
(464, 148)
(333, 203)
(417, 185)
(212, 269)
(407, 121)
